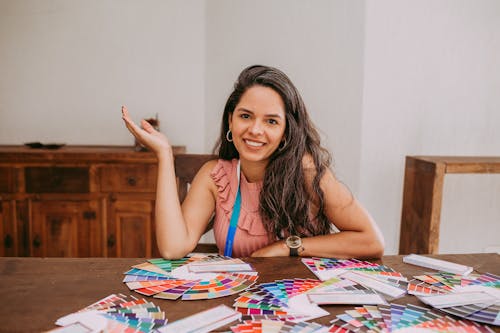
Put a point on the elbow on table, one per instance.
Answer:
(172, 254)
(376, 249)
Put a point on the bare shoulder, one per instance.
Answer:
(207, 168)
(204, 175)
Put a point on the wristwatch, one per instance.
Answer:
(294, 243)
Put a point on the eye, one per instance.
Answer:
(272, 121)
(245, 115)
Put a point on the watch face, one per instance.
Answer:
(293, 242)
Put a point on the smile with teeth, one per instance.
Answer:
(254, 143)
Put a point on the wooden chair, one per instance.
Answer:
(186, 167)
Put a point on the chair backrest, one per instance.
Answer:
(186, 167)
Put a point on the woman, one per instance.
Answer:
(271, 189)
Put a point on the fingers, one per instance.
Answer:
(132, 127)
(147, 126)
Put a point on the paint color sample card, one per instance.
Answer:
(115, 313)
(197, 276)
(346, 298)
(353, 275)
(204, 321)
(281, 298)
(326, 268)
(277, 326)
(400, 318)
(437, 264)
(475, 296)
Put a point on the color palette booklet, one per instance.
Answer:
(379, 282)
(281, 297)
(474, 297)
(114, 313)
(401, 318)
(196, 276)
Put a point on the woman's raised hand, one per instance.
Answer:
(147, 135)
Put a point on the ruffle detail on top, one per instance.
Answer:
(224, 176)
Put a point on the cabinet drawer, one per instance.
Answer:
(7, 180)
(130, 178)
(57, 180)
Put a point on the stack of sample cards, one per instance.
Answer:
(197, 276)
(400, 318)
(115, 313)
(277, 326)
(475, 296)
(286, 297)
(204, 321)
(437, 264)
(373, 277)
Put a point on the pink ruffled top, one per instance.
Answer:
(251, 234)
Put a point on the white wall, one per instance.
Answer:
(381, 80)
(67, 66)
(432, 83)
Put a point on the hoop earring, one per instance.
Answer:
(282, 145)
(227, 136)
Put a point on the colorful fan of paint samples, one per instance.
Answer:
(443, 283)
(282, 298)
(382, 279)
(326, 268)
(115, 313)
(474, 297)
(400, 318)
(197, 276)
(277, 326)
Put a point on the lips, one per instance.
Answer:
(253, 143)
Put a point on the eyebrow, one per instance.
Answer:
(272, 115)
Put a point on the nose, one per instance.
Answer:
(256, 128)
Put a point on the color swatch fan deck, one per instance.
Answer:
(197, 276)
(114, 313)
(374, 277)
(286, 297)
(474, 297)
(401, 318)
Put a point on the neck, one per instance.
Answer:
(253, 171)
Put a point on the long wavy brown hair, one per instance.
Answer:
(285, 202)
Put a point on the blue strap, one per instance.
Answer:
(228, 249)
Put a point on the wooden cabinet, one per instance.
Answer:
(61, 228)
(77, 201)
(127, 220)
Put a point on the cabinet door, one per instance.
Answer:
(65, 229)
(8, 232)
(130, 230)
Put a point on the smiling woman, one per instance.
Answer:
(272, 190)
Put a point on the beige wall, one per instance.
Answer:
(381, 79)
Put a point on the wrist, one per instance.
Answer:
(165, 154)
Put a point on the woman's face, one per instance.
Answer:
(258, 124)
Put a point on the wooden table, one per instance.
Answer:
(422, 196)
(37, 291)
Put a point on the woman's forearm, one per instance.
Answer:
(345, 244)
